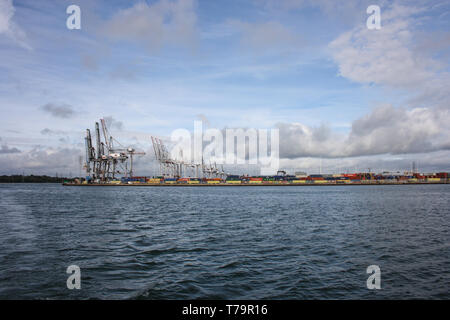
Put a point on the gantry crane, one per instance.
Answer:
(105, 160)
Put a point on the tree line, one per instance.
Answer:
(33, 179)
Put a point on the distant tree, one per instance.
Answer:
(33, 179)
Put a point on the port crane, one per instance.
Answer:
(105, 160)
(169, 167)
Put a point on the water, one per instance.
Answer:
(224, 242)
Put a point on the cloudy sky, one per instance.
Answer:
(342, 96)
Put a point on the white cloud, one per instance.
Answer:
(391, 58)
(6, 13)
(386, 130)
(42, 160)
(8, 27)
(156, 25)
(387, 56)
(400, 131)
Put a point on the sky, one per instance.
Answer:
(344, 97)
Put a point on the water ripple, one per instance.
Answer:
(224, 243)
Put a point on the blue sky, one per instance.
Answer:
(336, 90)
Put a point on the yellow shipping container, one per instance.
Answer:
(320, 181)
(433, 179)
(298, 181)
(412, 180)
(255, 182)
(193, 182)
(115, 182)
(233, 181)
(170, 182)
(213, 182)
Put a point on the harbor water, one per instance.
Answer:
(224, 242)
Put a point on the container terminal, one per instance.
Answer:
(111, 164)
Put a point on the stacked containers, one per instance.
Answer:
(316, 178)
(256, 180)
(233, 179)
(442, 175)
(183, 180)
(301, 180)
(170, 180)
(268, 179)
(154, 180)
(194, 181)
(213, 181)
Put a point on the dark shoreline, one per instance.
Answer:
(247, 185)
